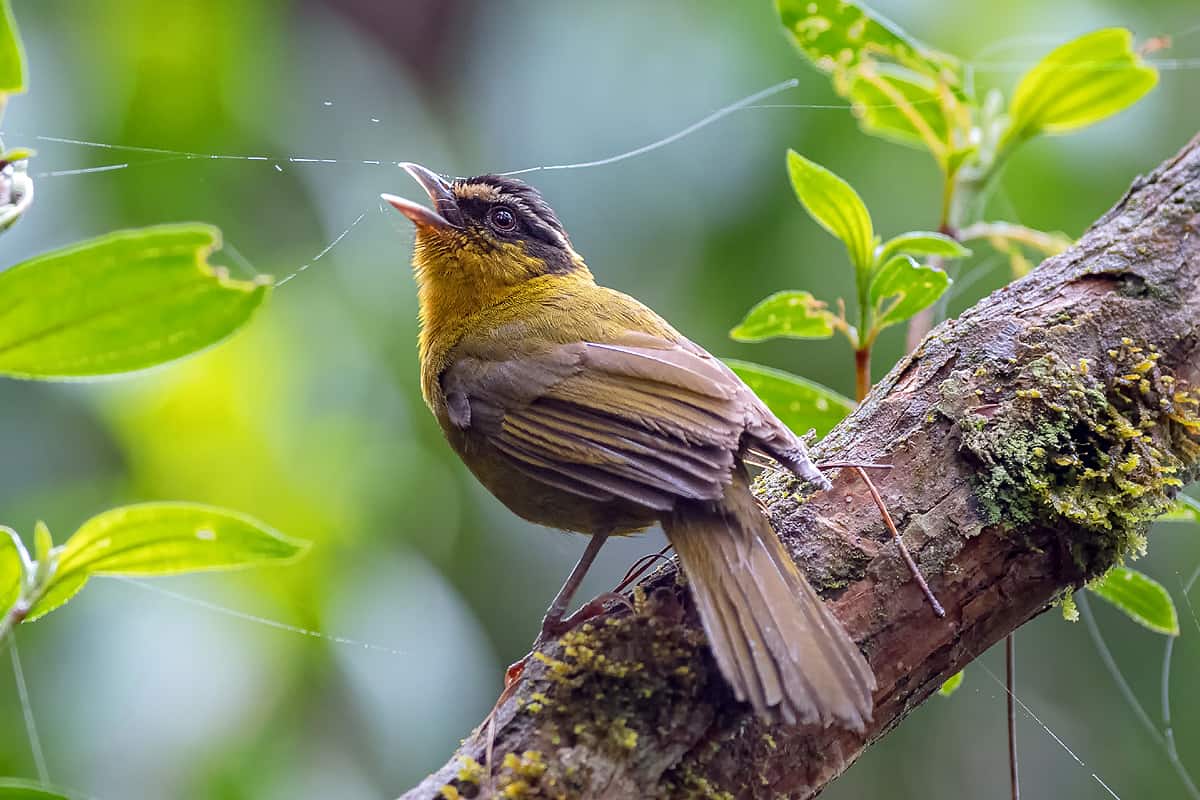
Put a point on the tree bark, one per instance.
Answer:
(1032, 441)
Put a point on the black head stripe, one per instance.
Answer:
(539, 217)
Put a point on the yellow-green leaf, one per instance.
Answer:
(60, 590)
(835, 206)
(800, 403)
(12, 56)
(922, 243)
(163, 539)
(838, 36)
(12, 569)
(1140, 597)
(17, 153)
(899, 108)
(43, 543)
(121, 302)
(1081, 82)
(796, 315)
(902, 287)
(951, 685)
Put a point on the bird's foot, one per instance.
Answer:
(554, 626)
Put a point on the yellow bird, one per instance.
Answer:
(581, 409)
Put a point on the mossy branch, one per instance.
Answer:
(1032, 441)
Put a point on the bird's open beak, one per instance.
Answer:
(445, 213)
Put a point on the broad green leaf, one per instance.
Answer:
(914, 287)
(835, 206)
(12, 570)
(121, 302)
(952, 684)
(1143, 599)
(800, 403)
(1081, 82)
(16, 789)
(838, 36)
(797, 315)
(922, 243)
(889, 110)
(163, 539)
(12, 56)
(1185, 509)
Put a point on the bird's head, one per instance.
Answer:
(487, 232)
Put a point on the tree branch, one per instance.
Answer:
(1032, 439)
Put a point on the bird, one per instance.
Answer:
(581, 409)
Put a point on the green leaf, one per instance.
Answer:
(17, 153)
(162, 539)
(959, 156)
(888, 110)
(1143, 599)
(16, 789)
(43, 543)
(914, 286)
(801, 404)
(834, 205)
(838, 36)
(1185, 509)
(12, 569)
(60, 590)
(922, 243)
(951, 684)
(1081, 82)
(121, 302)
(796, 315)
(12, 55)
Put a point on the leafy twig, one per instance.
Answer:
(1050, 244)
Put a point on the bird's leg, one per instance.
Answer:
(553, 623)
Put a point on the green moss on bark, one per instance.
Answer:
(613, 671)
(1102, 447)
(591, 697)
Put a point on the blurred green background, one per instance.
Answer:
(312, 421)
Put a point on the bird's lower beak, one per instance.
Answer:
(445, 213)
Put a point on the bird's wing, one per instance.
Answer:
(644, 419)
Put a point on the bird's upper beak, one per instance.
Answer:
(445, 213)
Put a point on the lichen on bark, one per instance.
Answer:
(1102, 447)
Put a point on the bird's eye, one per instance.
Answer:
(502, 219)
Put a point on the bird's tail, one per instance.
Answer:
(774, 641)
